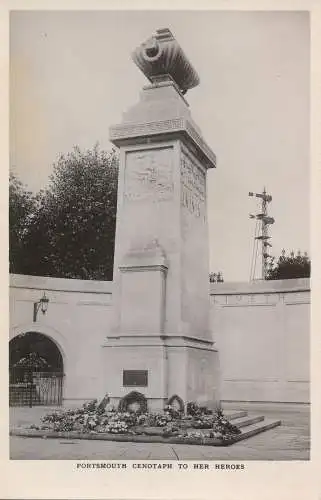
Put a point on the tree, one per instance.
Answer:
(216, 277)
(73, 230)
(289, 266)
(22, 207)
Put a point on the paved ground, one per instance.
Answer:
(291, 441)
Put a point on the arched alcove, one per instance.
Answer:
(36, 370)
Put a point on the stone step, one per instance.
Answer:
(249, 431)
(248, 420)
(232, 415)
(253, 429)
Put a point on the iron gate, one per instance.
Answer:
(31, 387)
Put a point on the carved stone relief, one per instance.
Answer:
(193, 187)
(149, 175)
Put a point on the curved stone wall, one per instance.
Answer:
(261, 330)
(77, 320)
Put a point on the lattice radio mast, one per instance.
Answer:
(263, 220)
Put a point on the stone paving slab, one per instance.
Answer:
(35, 449)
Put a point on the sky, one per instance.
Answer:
(71, 77)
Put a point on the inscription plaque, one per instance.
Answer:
(134, 378)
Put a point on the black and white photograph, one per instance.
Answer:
(159, 237)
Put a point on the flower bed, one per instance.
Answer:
(203, 426)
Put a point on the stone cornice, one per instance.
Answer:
(141, 268)
(261, 287)
(60, 284)
(158, 130)
(136, 339)
(92, 286)
(148, 257)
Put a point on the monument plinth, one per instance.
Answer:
(161, 276)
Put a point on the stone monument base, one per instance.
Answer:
(159, 367)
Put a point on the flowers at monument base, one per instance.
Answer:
(194, 410)
(197, 436)
(222, 425)
(162, 419)
(203, 422)
(88, 419)
(116, 426)
(173, 412)
(171, 430)
(91, 418)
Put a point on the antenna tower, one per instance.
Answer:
(261, 235)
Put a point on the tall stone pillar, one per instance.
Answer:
(160, 344)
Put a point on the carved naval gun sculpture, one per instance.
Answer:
(161, 59)
(160, 343)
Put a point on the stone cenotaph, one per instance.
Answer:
(160, 344)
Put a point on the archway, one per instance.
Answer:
(36, 370)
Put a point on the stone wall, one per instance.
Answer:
(260, 329)
(77, 320)
(262, 334)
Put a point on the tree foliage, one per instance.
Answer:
(289, 266)
(216, 277)
(72, 231)
(22, 206)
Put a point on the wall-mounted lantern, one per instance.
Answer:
(41, 304)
